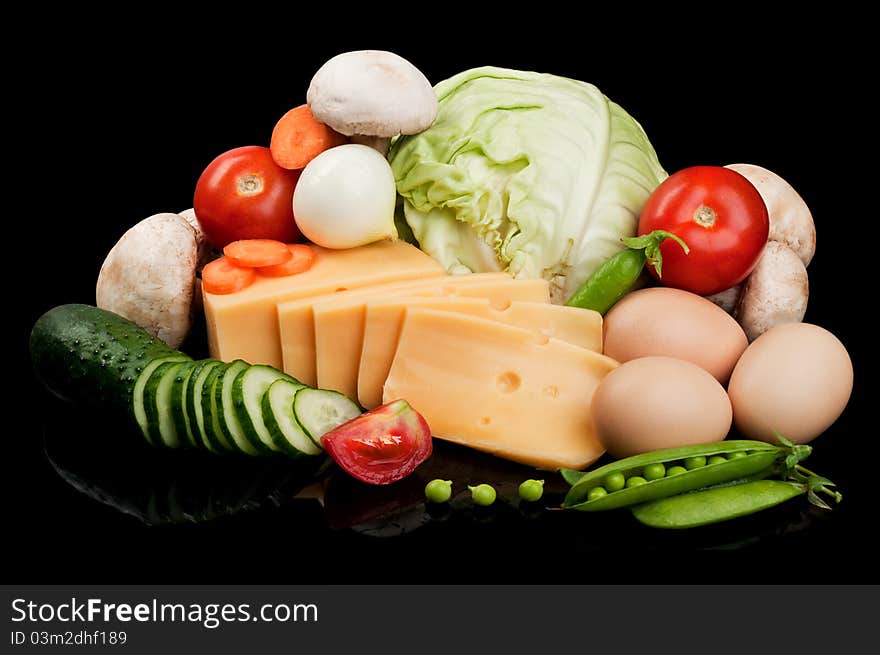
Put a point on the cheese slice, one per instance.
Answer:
(296, 319)
(339, 321)
(501, 389)
(244, 325)
(384, 318)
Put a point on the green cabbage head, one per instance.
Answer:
(532, 173)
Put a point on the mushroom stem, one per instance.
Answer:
(378, 143)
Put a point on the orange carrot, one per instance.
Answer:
(222, 276)
(257, 252)
(298, 138)
(301, 260)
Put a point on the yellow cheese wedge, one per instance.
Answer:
(580, 327)
(501, 389)
(244, 325)
(297, 326)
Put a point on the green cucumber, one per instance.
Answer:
(247, 395)
(157, 404)
(149, 425)
(210, 413)
(288, 435)
(194, 408)
(318, 411)
(178, 404)
(230, 419)
(92, 356)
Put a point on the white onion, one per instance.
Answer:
(345, 198)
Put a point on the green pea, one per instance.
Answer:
(737, 454)
(654, 471)
(531, 490)
(675, 470)
(596, 492)
(635, 481)
(483, 494)
(615, 481)
(716, 459)
(438, 491)
(692, 463)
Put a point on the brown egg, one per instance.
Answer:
(659, 402)
(795, 379)
(673, 323)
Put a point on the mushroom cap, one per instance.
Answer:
(148, 277)
(372, 92)
(791, 222)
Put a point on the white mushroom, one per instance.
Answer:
(149, 275)
(791, 222)
(775, 293)
(372, 95)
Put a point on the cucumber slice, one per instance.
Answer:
(280, 421)
(226, 411)
(194, 409)
(211, 421)
(247, 396)
(318, 411)
(178, 403)
(157, 396)
(140, 412)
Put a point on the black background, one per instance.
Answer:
(119, 126)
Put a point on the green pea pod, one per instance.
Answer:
(611, 281)
(705, 476)
(760, 459)
(710, 506)
(663, 456)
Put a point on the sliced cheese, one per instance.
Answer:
(384, 319)
(339, 322)
(244, 325)
(501, 389)
(296, 318)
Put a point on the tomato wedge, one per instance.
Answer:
(381, 446)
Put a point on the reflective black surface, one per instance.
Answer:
(85, 502)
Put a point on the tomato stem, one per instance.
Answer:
(249, 185)
(704, 216)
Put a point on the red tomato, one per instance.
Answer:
(381, 446)
(721, 217)
(244, 194)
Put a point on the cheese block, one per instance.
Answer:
(580, 327)
(244, 324)
(501, 389)
(336, 322)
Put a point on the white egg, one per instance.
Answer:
(345, 198)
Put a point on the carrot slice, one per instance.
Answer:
(221, 276)
(257, 252)
(301, 260)
(298, 138)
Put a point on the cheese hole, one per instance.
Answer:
(485, 420)
(500, 304)
(540, 339)
(508, 382)
(552, 391)
(340, 289)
